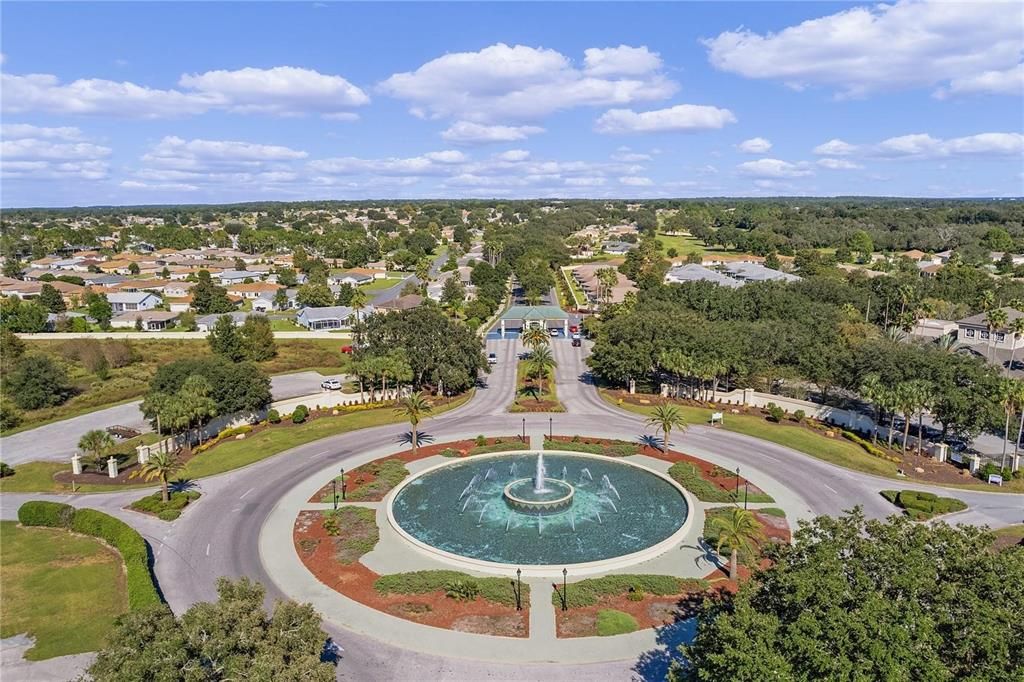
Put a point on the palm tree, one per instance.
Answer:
(872, 390)
(1009, 393)
(906, 402)
(535, 336)
(994, 319)
(97, 442)
(415, 408)
(923, 393)
(665, 418)
(195, 403)
(737, 529)
(358, 302)
(946, 343)
(607, 278)
(162, 465)
(541, 364)
(1017, 329)
(1019, 399)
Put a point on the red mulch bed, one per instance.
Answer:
(316, 550)
(360, 476)
(712, 473)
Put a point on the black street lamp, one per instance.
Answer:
(343, 483)
(519, 589)
(565, 600)
(335, 482)
(736, 495)
(524, 429)
(551, 432)
(746, 485)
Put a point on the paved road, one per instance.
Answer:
(395, 291)
(59, 441)
(221, 535)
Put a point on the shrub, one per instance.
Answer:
(49, 514)
(481, 441)
(122, 537)
(635, 595)
(332, 525)
(775, 413)
(869, 448)
(462, 590)
(169, 511)
(611, 622)
(688, 476)
(923, 505)
(300, 414)
(589, 592)
(449, 452)
(274, 417)
(496, 590)
(799, 416)
(6, 470)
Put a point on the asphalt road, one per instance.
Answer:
(59, 441)
(220, 537)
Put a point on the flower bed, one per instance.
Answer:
(715, 484)
(594, 446)
(165, 511)
(773, 525)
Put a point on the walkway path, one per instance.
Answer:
(221, 535)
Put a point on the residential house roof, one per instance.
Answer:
(981, 320)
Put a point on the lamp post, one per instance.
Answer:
(551, 427)
(335, 482)
(737, 493)
(519, 589)
(524, 429)
(565, 600)
(746, 485)
(343, 483)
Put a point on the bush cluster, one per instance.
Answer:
(687, 475)
(222, 436)
(273, 416)
(496, 590)
(618, 448)
(589, 591)
(921, 506)
(169, 511)
(870, 448)
(142, 590)
(300, 414)
(462, 590)
(6, 470)
(611, 622)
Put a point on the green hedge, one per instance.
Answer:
(497, 590)
(169, 511)
(619, 448)
(142, 591)
(870, 447)
(923, 505)
(49, 514)
(589, 591)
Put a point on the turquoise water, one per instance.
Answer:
(443, 510)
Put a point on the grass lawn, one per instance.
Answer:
(579, 297)
(382, 283)
(62, 589)
(233, 454)
(528, 398)
(841, 452)
(131, 381)
(279, 325)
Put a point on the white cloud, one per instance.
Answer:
(835, 147)
(33, 152)
(202, 155)
(522, 83)
(514, 155)
(636, 181)
(680, 118)
(467, 132)
(909, 44)
(161, 186)
(282, 90)
(922, 145)
(1006, 82)
(773, 168)
(350, 165)
(838, 164)
(755, 145)
(585, 182)
(620, 61)
(447, 156)
(630, 157)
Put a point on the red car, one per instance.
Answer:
(573, 329)
(347, 349)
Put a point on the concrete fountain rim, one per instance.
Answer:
(598, 567)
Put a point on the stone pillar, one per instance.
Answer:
(76, 464)
(142, 452)
(565, 328)
(748, 394)
(632, 386)
(973, 463)
(664, 390)
(111, 467)
(940, 451)
(1015, 462)
(503, 329)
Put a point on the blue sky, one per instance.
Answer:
(112, 103)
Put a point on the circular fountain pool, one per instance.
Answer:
(518, 509)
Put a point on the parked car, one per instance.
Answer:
(347, 349)
(492, 358)
(576, 341)
(331, 384)
(576, 336)
(554, 332)
(574, 329)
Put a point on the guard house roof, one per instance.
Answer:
(535, 312)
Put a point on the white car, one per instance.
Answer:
(331, 384)
(492, 358)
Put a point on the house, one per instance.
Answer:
(994, 256)
(131, 301)
(152, 320)
(914, 254)
(755, 272)
(974, 331)
(178, 289)
(181, 304)
(932, 328)
(103, 280)
(154, 284)
(349, 277)
(617, 247)
(253, 290)
(329, 317)
(206, 322)
(407, 302)
(521, 317)
(228, 277)
(698, 273)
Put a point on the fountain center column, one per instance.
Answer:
(539, 476)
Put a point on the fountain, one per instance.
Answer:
(569, 508)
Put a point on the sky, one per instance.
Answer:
(157, 103)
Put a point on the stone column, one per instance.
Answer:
(664, 390)
(940, 451)
(973, 463)
(565, 328)
(76, 464)
(142, 452)
(111, 467)
(1015, 462)
(503, 329)
(748, 394)
(632, 386)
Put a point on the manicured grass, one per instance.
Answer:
(589, 592)
(619, 448)
(132, 381)
(684, 244)
(612, 622)
(579, 297)
(496, 590)
(387, 474)
(691, 478)
(841, 452)
(711, 533)
(279, 325)
(382, 283)
(65, 590)
(238, 453)
(528, 398)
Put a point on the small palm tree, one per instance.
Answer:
(872, 390)
(541, 364)
(161, 465)
(415, 408)
(665, 418)
(535, 337)
(358, 302)
(994, 319)
(737, 529)
(1017, 329)
(96, 442)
